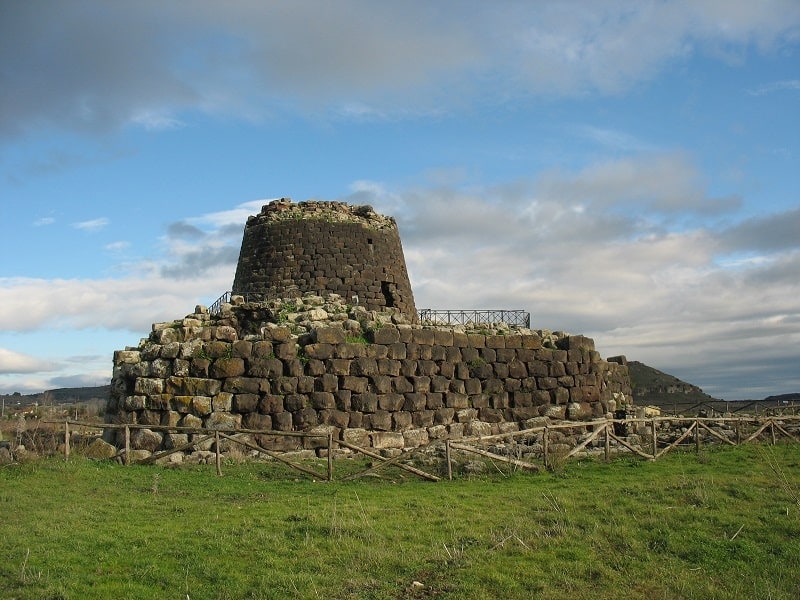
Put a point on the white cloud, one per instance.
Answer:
(92, 225)
(776, 86)
(44, 221)
(17, 362)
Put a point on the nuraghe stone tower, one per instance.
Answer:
(292, 351)
(324, 247)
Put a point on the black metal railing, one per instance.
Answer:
(518, 318)
(226, 297)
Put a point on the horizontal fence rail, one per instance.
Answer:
(519, 318)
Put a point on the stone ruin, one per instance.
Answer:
(321, 334)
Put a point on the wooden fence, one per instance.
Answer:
(746, 429)
(604, 437)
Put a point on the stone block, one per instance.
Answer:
(391, 402)
(245, 403)
(356, 436)
(414, 438)
(257, 421)
(466, 414)
(201, 405)
(366, 402)
(495, 341)
(384, 335)
(304, 419)
(380, 420)
(387, 439)
(264, 367)
(423, 418)
(477, 429)
(456, 401)
(329, 335)
(223, 420)
(401, 420)
(323, 400)
(146, 439)
(364, 366)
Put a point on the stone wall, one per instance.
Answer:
(291, 249)
(372, 378)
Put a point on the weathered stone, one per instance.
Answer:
(223, 420)
(99, 449)
(146, 439)
(387, 439)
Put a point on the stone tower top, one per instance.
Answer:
(290, 249)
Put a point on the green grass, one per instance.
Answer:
(722, 525)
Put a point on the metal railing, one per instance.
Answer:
(519, 318)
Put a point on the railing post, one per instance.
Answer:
(608, 441)
(772, 431)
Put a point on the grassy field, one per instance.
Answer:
(724, 524)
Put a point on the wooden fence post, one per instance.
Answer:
(545, 444)
(127, 445)
(738, 432)
(772, 431)
(608, 441)
(655, 439)
(449, 461)
(216, 447)
(330, 456)
(697, 435)
(66, 439)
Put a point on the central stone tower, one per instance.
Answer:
(290, 249)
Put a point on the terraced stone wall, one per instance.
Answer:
(385, 385)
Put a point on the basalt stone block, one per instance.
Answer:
(323, 400)
(456, 401)
(270, 403)
(365, 402)
(305, 418)
(364, 367)
(329, 335)
(384, 335)
(401, 420)
(319, 351)
(415, 401)
(380, 421)
(257, 421)
(295, 402)
(264, 367)
(193, 386)
(387, 439)
(201, 405)
(282, 421)
(222, 402)
(262, 349)
(425, 337)
(422, 418)
(222, 368)
(391, 402)
(223, 420)
(245, 403)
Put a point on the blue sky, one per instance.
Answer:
(624, 170)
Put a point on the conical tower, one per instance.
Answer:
(290, 249)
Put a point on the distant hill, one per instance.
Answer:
(59, 396)
(651, 386)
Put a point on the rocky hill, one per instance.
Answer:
(654, 387)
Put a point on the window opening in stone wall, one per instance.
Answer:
(387, 289)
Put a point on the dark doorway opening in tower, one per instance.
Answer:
(388, 288)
